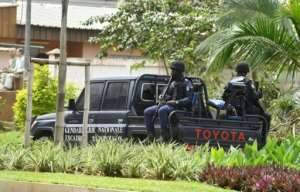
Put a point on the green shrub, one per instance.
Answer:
(186, 165)
(285, 115)
(70, 161)
(44, 96)
(169, 161)
(13, 157)
(107, 157)
(157, 161)
(42, 157)
(135, 166)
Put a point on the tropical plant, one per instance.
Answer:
(236, 11)
(44, 96)
(70, 160)
(13, 157)
(109, 156)
(260, 179)
(157, 161)
(269, 39)
(42, 157)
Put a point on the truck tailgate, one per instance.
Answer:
(218, 132)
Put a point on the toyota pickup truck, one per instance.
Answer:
(116, 111)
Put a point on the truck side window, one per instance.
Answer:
(95, 98)
(148, 92)
(116, 96)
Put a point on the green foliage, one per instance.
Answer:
(11, 137)
(235, 11)
(266, 40)
(285, 153)
(162, 30)
(13, 157)
(270, 90)
(44, 96)
(156, 161)
(286, 111)
(109, 156)
(42, 157)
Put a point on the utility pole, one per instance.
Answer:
(62, 71)
(29, 70)
(84, 140)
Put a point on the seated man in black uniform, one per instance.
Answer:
(252, 105)
(178, 96)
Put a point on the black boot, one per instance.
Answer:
(165, 135)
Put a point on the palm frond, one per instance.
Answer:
(206, 45)
(262, 42)
(245, 10)
(290, 14)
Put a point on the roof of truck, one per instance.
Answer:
(128, 77)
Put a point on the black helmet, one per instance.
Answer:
(177, 66)
(242, 68)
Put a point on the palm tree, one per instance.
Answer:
(235, 11)
(269, 39)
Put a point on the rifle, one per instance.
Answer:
(162, 99)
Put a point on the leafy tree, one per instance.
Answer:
(44, 96)
(162, 30)
(269, 39)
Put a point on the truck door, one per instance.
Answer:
(111, 120)
(73, 121)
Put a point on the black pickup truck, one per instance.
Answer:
(116, 111)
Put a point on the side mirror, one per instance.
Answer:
(72, 105)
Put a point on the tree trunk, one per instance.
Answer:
(62, 71)
(165, 65)
(29, 70)
(86, 107)
(254, 75)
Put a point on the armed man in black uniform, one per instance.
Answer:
(252, 105)
(177, 96)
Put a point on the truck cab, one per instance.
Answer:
(116, 110)
(112, 101)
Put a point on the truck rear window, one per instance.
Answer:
(116, 96)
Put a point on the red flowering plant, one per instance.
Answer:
(259, 178)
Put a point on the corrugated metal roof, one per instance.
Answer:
(49, 15)
(7, 5)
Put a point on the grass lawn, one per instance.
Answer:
(108, 182)
(13, 137)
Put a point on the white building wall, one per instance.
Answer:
(107, 67)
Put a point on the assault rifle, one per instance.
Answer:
(162, 99)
